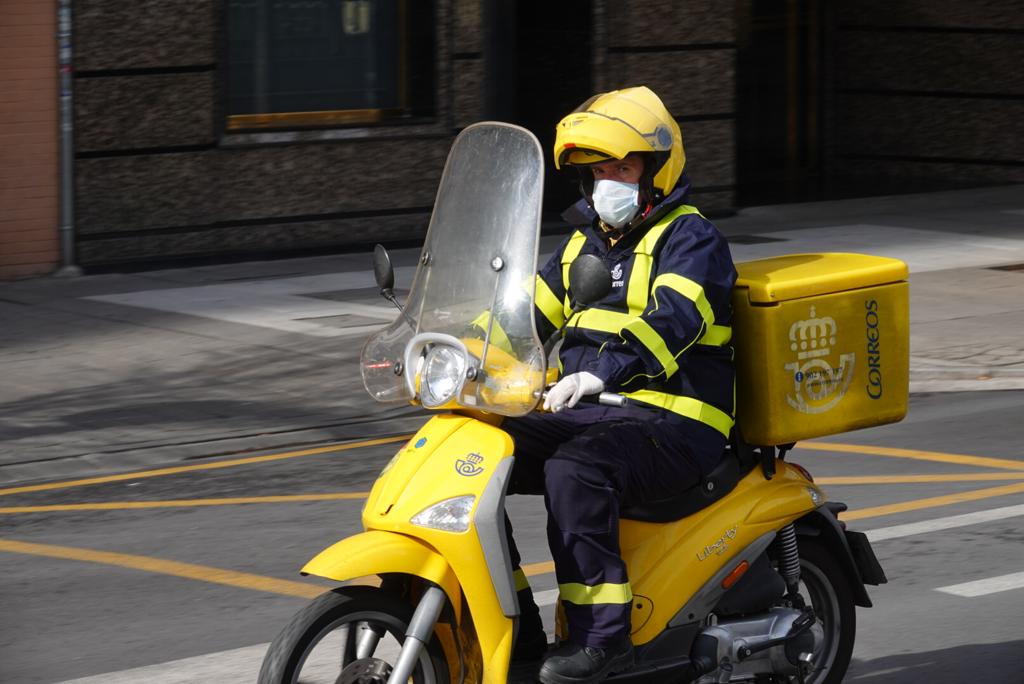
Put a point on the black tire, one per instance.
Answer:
(826, 586)
(337, 609)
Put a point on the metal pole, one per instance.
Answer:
(66, 144)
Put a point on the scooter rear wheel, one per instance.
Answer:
(826, 586)
(351, 635)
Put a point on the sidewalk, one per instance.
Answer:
(113, 372)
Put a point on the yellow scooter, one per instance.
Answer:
(748, 577)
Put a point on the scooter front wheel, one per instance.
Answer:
(350, 635)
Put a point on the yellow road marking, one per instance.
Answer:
(202, 466)
(341, 496)
(289, 588)
(182, 503)
(912, 479)
(191, 571)
(932, 502)
(938, 456)
(286, 587)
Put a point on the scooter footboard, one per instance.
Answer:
(377, 553)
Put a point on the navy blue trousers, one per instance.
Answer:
(588, 462)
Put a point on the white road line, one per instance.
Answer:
(237, 666)
(982, 587)
(936, 524)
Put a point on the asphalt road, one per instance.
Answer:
(184, 574)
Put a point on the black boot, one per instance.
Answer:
(575, 664)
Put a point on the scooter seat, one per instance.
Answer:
(713, 487)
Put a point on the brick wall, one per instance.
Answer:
(28, 138)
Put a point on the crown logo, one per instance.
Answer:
(813, 337)
(817, 384)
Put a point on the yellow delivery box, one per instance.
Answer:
(822, 345)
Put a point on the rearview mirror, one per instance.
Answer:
(383, 271)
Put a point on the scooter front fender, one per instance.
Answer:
(377, 552)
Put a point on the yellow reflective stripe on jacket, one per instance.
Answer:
(688, 407)
(638, 291)
(547, 302)
(519, 577)
(649, 241)
(569, 254)
(654, 343)
(614, 322)
(601, 320)
(498, 336)
(639, 281)
(582, 595)
(640, 278)
(716, 336)
(689, 289)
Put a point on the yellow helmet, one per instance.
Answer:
(612, 125)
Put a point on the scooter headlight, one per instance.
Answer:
(442, 375)
(817, 497)
(450, 515)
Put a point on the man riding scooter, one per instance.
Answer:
(661, 337)
(745, 575)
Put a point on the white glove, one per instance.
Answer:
(570, 389)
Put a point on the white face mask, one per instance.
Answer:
(616, 203)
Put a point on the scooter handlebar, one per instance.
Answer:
(611, 399)
(604, 399)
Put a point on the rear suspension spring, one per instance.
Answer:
(789, 557)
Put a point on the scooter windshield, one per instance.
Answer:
(475, 279)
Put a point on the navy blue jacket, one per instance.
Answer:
(663, 337)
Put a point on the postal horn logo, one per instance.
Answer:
(818, 385)
(470, 465)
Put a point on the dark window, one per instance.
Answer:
(299, 63)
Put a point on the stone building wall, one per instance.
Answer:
(929, 94)
(28, 139)
(685, 52)
(158, 177)
(919, 95)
